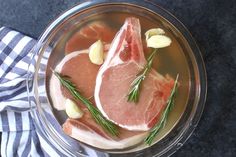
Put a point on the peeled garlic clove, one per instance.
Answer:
(96, 52)
(158, 41)
(154, 31)
(72, 110)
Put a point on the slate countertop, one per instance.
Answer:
(212, 24)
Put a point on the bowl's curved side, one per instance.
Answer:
(192, 119)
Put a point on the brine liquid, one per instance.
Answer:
(170, 60)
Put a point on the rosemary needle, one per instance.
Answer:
(133, 94)
(170, 103)
(96, 114)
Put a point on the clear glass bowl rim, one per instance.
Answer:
(186, 133)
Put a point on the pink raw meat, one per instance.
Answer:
(124, 61)
(89, 34)
(83, 73)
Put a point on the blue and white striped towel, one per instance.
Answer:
(20, 136)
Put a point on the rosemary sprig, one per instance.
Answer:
(133, 94)
(170, 103)
(96, 114)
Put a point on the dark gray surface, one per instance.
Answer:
(213, 25)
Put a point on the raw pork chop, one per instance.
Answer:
(83, 73)
(88, 34)
(89, 132)
(124, 61)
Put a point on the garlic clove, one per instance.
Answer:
(72, 110)
(158, 41)
(96, 52)
(154, 31)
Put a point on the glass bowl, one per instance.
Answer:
(49, 51)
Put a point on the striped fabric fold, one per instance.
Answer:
(20, 135)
